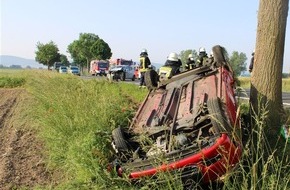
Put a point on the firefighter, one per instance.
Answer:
(201, 57)
(190, 63)
(252, 62)
(174, 62)
(144, 65)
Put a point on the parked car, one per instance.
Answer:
(74, 70)
(187, 125)
(56, 65)
(122, 72)
(62, 69)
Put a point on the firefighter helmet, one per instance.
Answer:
(173, 57)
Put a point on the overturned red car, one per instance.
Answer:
(187, 126)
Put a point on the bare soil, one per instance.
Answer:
(21, 152)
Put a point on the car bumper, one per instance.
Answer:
(210, 162)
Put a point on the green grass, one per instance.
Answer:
(265, 161)
(75, 118)
(245, 82)
(11, 78)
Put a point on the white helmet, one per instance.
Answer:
(202, 49)
(144, 51)
(190, 56)
(173, 57)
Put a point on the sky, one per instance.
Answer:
(128, 26)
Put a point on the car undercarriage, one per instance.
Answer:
(187, 125)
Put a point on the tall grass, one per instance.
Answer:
(262, 167)
(11, 78)
(75, 118)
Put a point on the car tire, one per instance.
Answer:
(218, 55)
(151, 79)
(216, 113)
(119, 140)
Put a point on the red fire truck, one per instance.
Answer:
(99, 67)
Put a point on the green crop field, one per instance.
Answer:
(74, 117)
(245, 82)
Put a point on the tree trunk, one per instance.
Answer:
(266, 81)
(88, 65)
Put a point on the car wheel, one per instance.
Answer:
(218, 55)
(119, 139)
(216, 113)
(151, 79)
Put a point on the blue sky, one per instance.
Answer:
(161, 27)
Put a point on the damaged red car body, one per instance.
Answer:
(187, 125)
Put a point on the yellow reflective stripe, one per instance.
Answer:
(143, 70)
(142, 64)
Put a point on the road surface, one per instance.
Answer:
(285, 97)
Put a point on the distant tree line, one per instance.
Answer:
(14, 67)
(88, 47)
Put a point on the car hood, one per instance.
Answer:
(116, 69)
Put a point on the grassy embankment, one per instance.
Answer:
(75, 117)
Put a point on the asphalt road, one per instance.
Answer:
(285, 97)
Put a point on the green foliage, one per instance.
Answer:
(9, 82)
(238, 62)
(47, 54)
(73, 49)
(89, 46)
(63, 59)
(101, 50)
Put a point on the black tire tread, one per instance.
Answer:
(151, 79)
(219, 120)
(119, 140)
(218, 55)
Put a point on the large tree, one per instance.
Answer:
(47, 54)
(63, 59)
(238, 62)
(101, 50)
(266, 77)
(89, 46)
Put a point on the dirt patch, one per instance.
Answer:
(21, 159)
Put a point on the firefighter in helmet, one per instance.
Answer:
(190, 63)
(201, 57)
(144, 65)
